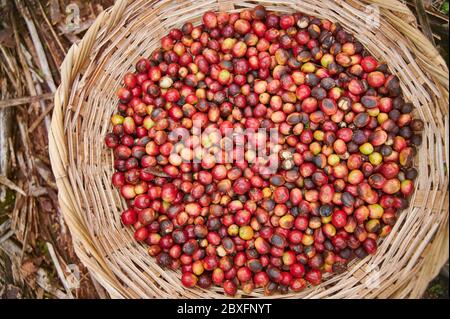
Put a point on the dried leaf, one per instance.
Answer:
(8, 183)
(7, 38)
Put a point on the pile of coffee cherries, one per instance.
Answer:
(229, 217)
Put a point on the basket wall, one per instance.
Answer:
(92, 72)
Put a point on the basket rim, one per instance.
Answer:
(71, 68)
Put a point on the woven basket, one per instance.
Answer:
(91, 73)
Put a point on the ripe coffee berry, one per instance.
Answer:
(258, 150)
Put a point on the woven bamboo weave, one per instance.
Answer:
(92, 72)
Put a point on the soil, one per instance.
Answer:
(437, 289)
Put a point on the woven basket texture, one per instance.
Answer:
(92, 72)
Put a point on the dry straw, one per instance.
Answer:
(92, 71)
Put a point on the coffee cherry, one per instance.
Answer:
(212, 194)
